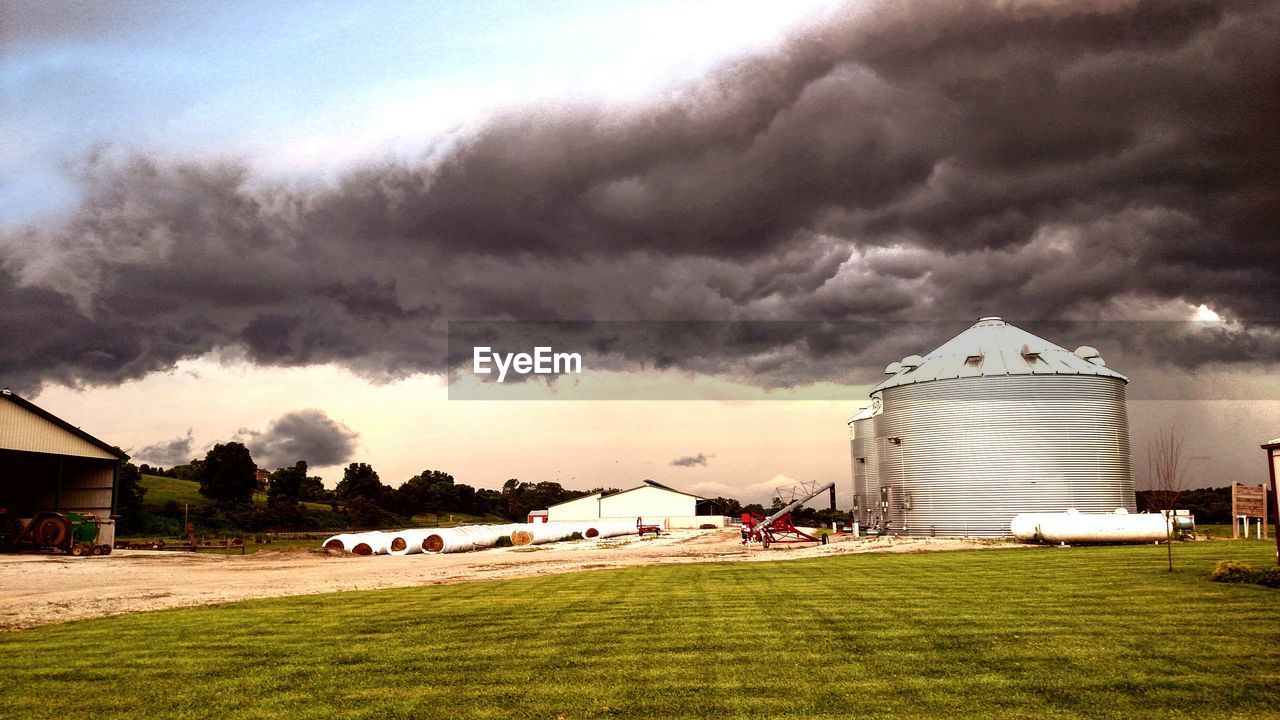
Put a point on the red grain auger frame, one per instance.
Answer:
(778, 528)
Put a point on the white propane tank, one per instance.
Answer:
(1026, 526)
(1120, 527)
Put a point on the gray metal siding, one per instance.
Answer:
(977, 451)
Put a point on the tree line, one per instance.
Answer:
(228, 477)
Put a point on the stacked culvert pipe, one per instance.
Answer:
(600, 529)
(466, 538)
(407, 542)
(341, 542)
(541, 533)
(371, 543)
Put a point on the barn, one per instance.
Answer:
(46, 463)
(655, 503)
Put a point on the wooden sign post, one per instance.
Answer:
(1248, 501)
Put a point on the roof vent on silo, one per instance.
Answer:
(974, 359)
(911, 362)
(1091, 354)
(1030, 354)
(893, 368)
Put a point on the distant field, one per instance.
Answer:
(1021, 633)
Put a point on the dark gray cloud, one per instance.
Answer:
(177, 451)
(29, 22)
(901, 161)
(308, 435)
(699, 460)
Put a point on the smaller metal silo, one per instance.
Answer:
(864, 446)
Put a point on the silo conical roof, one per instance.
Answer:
(993, 347)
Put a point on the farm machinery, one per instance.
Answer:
(73, 533)
(778, 527)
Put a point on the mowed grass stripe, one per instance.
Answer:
(1043, 633)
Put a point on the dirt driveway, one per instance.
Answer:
(43, 589)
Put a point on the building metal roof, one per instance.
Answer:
(654, 484)
(7, 394)
(575, 499)
(993, 347)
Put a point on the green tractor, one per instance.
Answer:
(73, 533)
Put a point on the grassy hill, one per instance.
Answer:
(161, 490)
(1020, 633)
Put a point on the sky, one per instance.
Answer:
(256, 221)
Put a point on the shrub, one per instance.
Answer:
(576, 536)
(503, 541)
(1234, 572)
(1269, 577)
(1230, 571)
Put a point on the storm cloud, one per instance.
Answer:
(177, 451)
(308, 435)
(896, 161)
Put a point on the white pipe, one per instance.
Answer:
(341, 541)
(541, 533)
(370, 543)
(601, 529)
(466, 538)
(407, 542)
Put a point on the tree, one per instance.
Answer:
(227, 474)
(724, 506)
(313, 489)
(190, 471)
(360, 482)
(428, 491)
(1166, 472)
(129, 494)
(286, 484)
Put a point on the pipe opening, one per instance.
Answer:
(398, 544)
(335, 544)
(361, 549)
(521, 538)
(592, 532)
(433, 544)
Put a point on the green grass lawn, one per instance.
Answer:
(1033, 633)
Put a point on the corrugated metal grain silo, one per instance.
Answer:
(865, 455)
(996, 422)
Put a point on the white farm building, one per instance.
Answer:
(652, 503)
